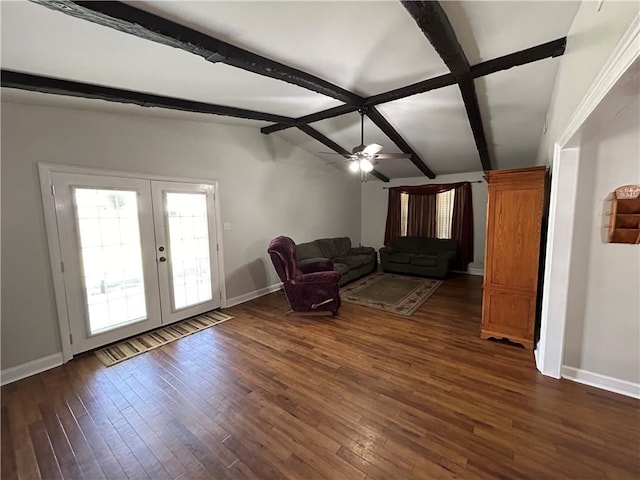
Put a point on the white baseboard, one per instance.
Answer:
(251, 295)
(623, 387)
(33, 367)
(25, 370)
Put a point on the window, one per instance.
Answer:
(404, 213)
(444, 213)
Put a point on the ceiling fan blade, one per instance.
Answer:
(358, 149)
(391, 156)
(372, 149)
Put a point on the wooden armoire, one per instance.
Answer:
(514, 219)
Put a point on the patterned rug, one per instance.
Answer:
(398, 294)
(148, 341)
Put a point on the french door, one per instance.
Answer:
(136, 254)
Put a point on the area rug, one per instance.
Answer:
(398, 294)
(148, 341)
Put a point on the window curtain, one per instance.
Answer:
(461, 224)
(422, 219)
(393, 226)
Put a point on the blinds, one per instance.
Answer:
(444, 213)
(404, 213)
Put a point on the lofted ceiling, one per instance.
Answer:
(466, 120)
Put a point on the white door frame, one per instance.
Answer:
(566, 166)
(48, 202)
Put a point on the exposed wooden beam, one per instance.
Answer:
(395, 137)
(148, 26)
(434, 23)
(37, 83)
(314, 117)
(398, 93)
(312, 132)
(554, 48)
(468, 91)
(128, 19)
(409, 90)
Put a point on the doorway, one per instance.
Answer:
(135, 253)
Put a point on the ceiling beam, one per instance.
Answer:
(434, 23)
(468, 91)
(312, 132)
(555, 48)
(145, 25)
(409, 90)
(391, 132)
(413, 89)
(148, 26)
(37, 83)
(314, 117)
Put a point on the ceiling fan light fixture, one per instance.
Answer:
(354, 166)
(365, 165)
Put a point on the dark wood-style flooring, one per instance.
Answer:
(364, 395)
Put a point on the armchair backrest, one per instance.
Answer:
(282, 251)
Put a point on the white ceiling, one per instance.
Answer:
(367, 47)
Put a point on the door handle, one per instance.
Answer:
(162, 259)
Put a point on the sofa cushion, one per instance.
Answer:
(334, 247)
(425, 261)
(343, 245)
(308, 250)
(400, 258)
(342, 268)
(354, 261)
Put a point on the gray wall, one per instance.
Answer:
(267, 187)
(374, 209)
(603, 311)
(594, 34)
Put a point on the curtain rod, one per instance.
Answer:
(385, 188)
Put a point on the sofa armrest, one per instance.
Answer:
(361, 251)
(387, 250)
(318, 278)
(447, 257)
(315, 265)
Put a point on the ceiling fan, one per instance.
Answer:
(364, 157)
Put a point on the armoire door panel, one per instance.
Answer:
(509, 313)
(516, 238)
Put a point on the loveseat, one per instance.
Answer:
(352, 263)
(424, 256)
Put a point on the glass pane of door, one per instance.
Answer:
(111, 257)
(188, 248)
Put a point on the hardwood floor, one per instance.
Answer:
(364, 395)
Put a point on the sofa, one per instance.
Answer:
(423, 256)
(351, 262)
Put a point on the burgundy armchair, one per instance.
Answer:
(311, 287)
